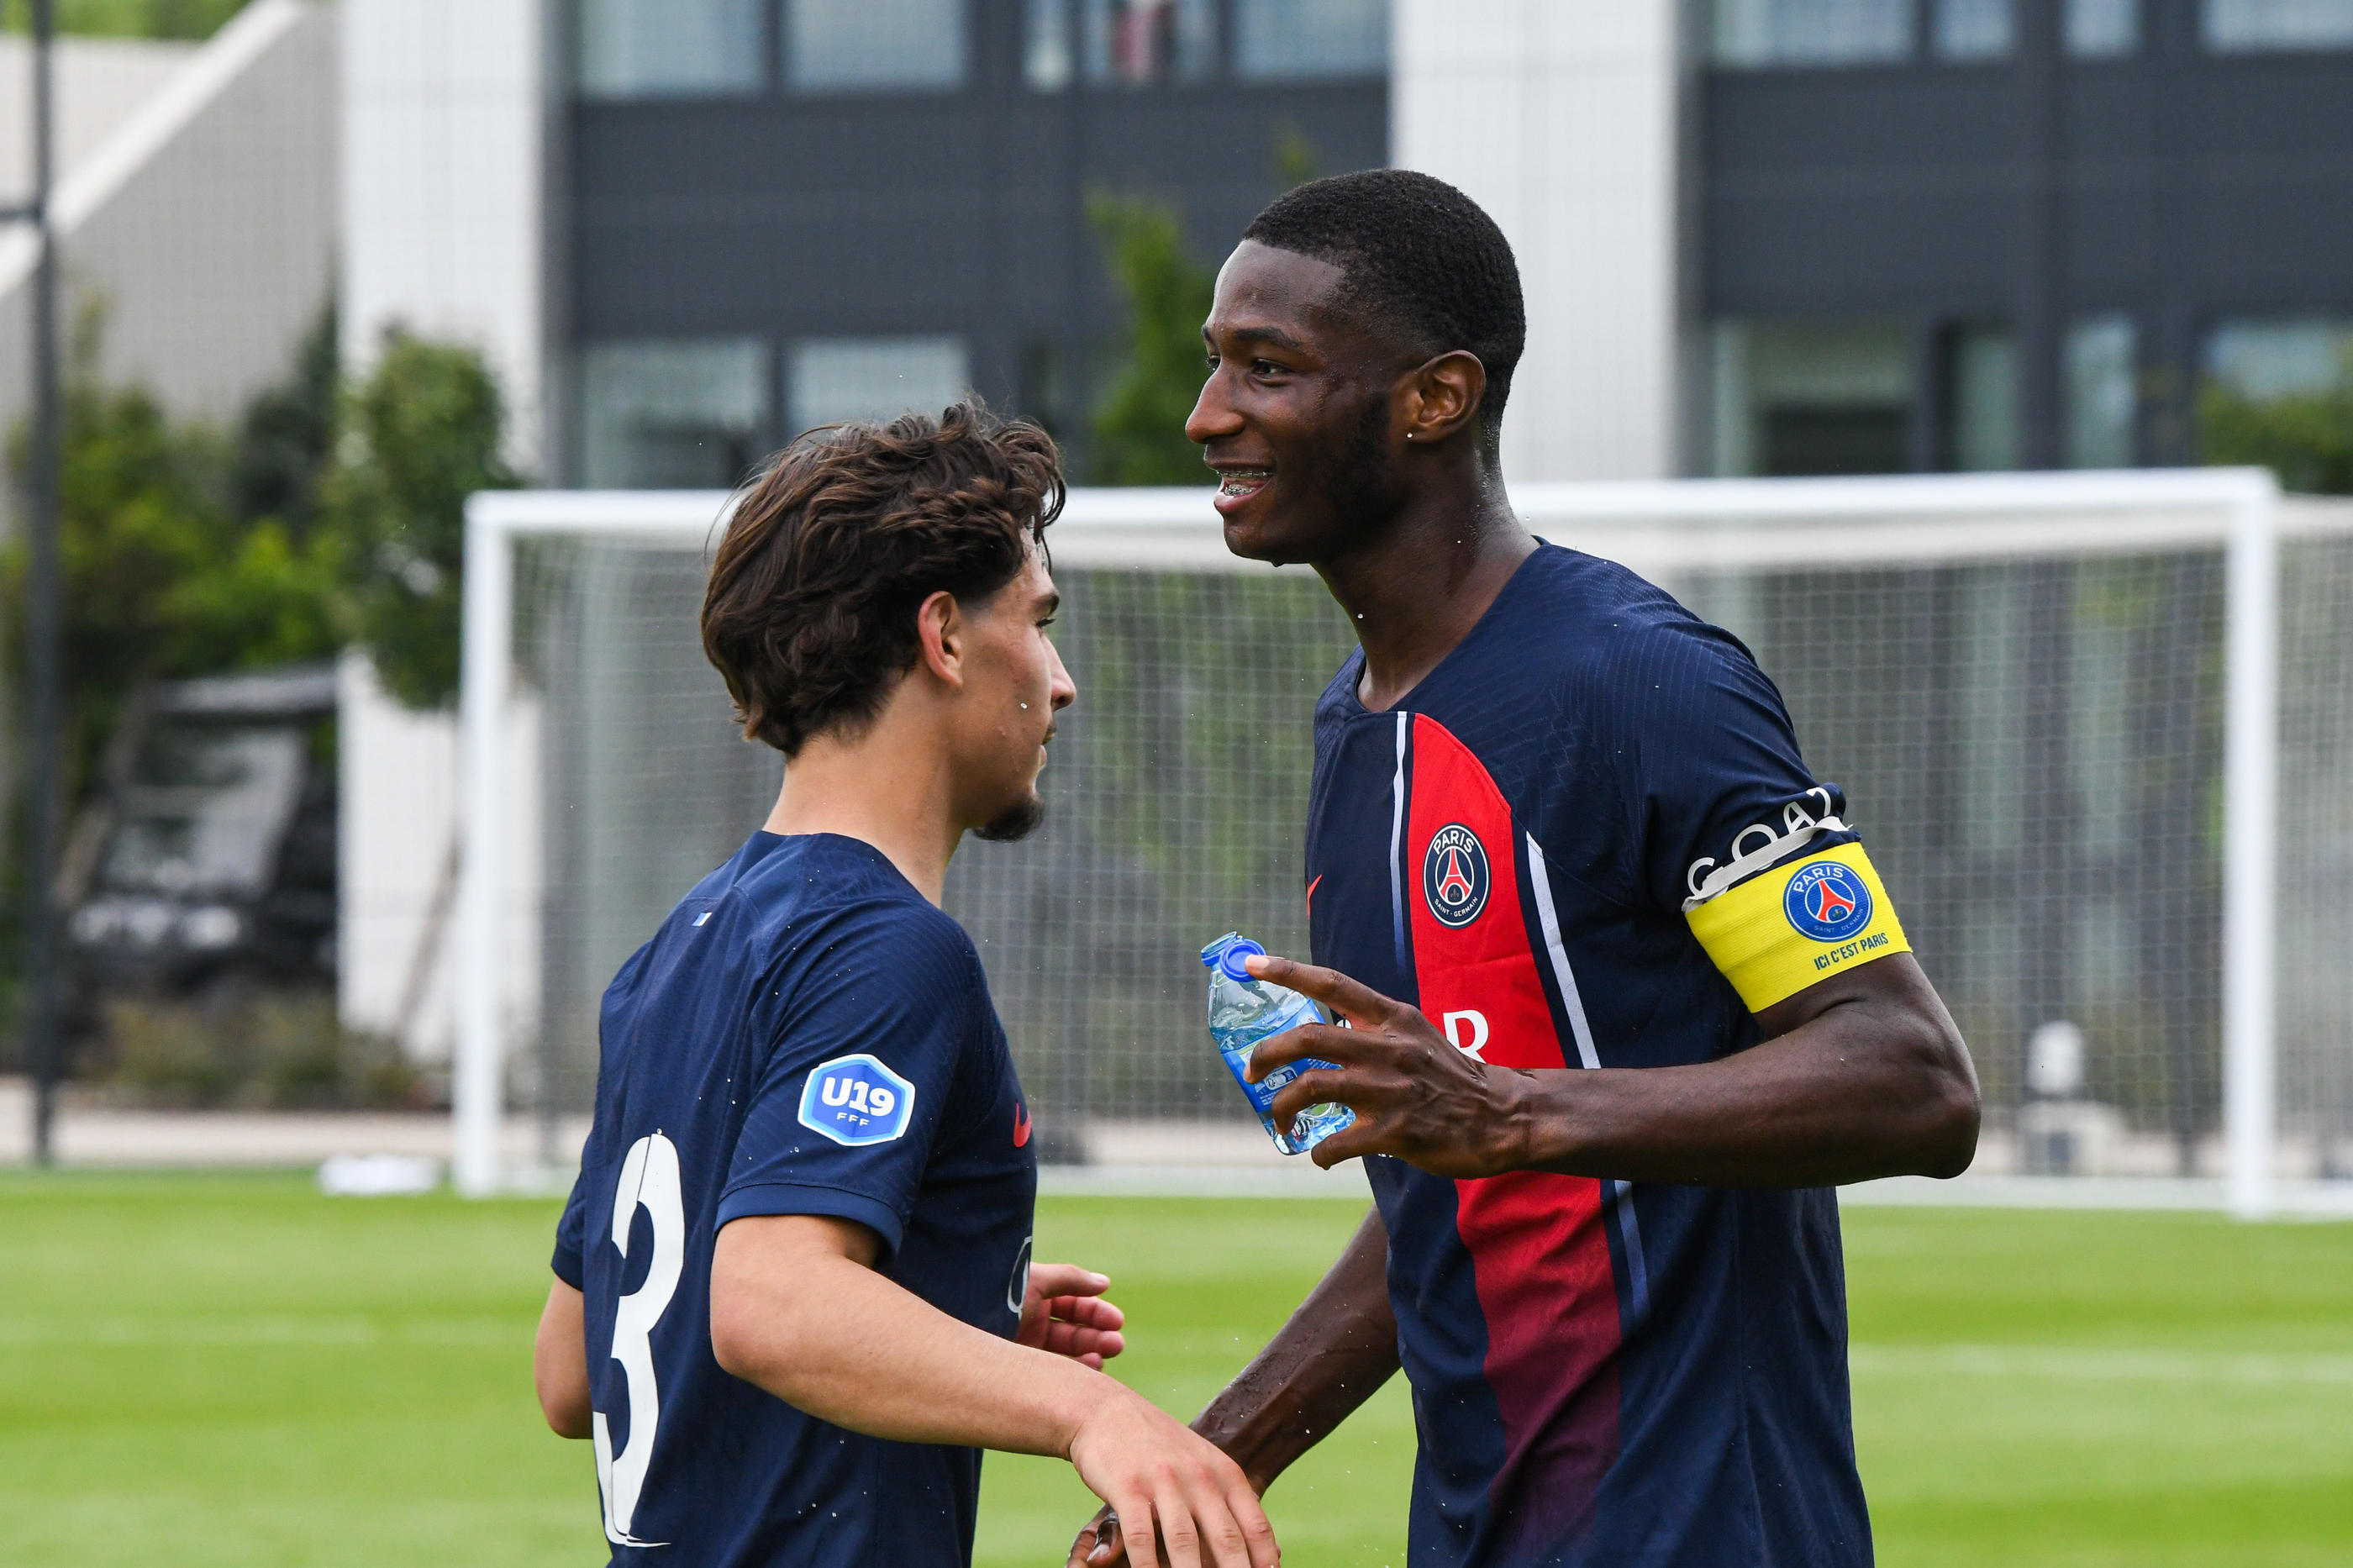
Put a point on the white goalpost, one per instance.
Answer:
(2076, 716)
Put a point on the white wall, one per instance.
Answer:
(197, 202)
(101, 83)
(1559, 118)
(398, 783)
(444, 115)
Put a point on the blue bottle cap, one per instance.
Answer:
(1226, 955)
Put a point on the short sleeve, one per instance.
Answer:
(570, 1259)
(860, 1073)
(1732, 830)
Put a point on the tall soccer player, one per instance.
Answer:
(794, 1296)
(1628, 997)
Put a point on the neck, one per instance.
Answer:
(1417, 589)
(881, 790)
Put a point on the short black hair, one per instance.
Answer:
(1421, 259)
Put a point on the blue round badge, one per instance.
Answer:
(1827, 901)
(1454, 877)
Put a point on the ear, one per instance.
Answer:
(940, 631)
(1442, 398)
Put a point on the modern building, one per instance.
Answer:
(1760, 235)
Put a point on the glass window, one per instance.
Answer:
(1045, 52)
(2257, 24)
(1276, 39)
(2100, 29)
(1811, 32)
(2281, 358)
(855, 44)
(1974, 29)
(661, 48)
(834, 379)
(1984, 410)
(673, 414)
(1135, 42)
(1813, 398)
(2102, 393)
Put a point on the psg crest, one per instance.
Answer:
(1454, 877)
(1827, 901)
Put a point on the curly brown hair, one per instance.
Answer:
(810, 613)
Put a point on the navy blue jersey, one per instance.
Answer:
(1602, 1372)
(805, 1034)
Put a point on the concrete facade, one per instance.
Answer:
(1559, 118)
(196, 207)
(443, 185)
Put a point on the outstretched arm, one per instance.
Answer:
(1336, 1350)
(797, 1309)
(1861, 1075)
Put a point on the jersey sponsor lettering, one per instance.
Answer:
(1466, 1030)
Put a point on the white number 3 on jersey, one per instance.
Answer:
(649, 1181)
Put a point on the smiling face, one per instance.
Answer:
(1013, 685)
(1299, 416)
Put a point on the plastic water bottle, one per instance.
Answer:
(1243, 1011)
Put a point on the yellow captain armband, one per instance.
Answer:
(1799, 923)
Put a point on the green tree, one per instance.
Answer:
(420, 434)
(2306, 438)
(129, 19)
(1139, 426)
(163, 574)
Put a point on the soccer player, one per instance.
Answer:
(794, 1294)
(1628, 997)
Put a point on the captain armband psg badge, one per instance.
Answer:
(1796, 924)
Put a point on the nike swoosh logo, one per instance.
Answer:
(1020, 1126)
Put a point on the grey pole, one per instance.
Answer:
(41, 997)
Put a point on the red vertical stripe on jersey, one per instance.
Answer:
(1538, 1247)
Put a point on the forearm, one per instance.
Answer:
(1338, 1348)
(1860, 1090)
(830, 1336)
(559, 1362)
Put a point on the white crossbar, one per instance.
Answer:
(1656, 528)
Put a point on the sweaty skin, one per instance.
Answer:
(1370, 459)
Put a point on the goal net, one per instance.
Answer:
(2073, 715)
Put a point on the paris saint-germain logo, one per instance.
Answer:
(1827, 901)
(1454, 878)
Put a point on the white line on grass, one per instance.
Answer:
(257, 1330)
(2098, 1362)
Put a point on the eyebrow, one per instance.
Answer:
(1049, 603)
(1274, 335)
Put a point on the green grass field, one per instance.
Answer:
(222, 1370)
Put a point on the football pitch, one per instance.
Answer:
(220, 1370)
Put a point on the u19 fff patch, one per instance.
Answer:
(856, 1100)
(1455, 875)
(1827, 901)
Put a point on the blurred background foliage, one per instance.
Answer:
(128, 18)
(1139, 424)
(332, 515)
(2306, 438)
